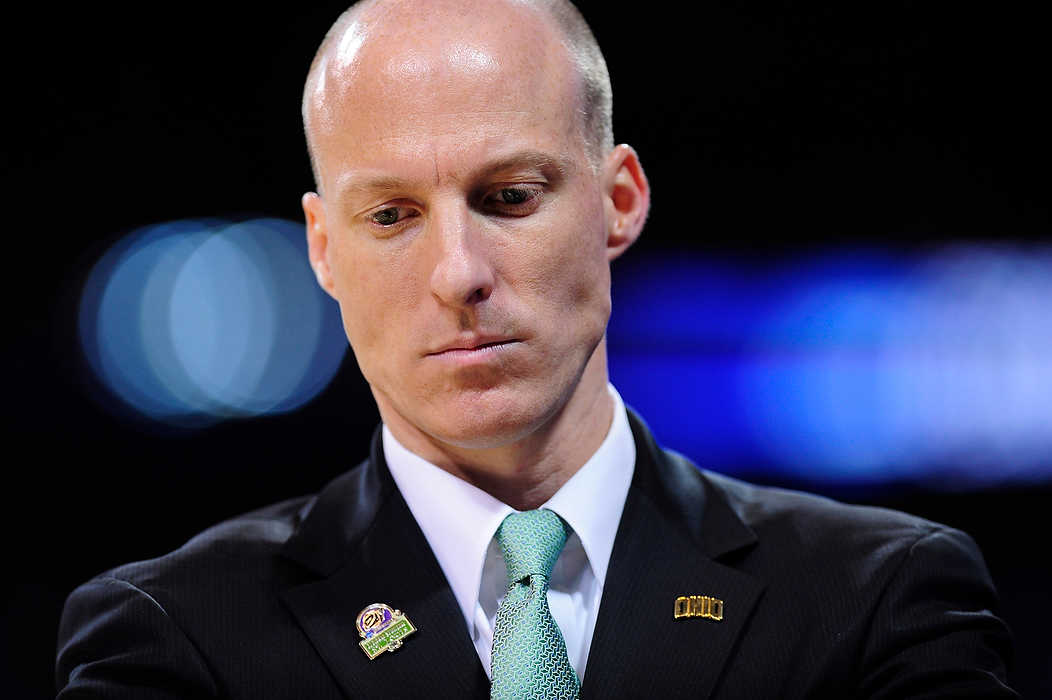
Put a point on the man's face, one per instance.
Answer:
(463, 230)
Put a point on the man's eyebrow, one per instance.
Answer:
(350, 184)
(537, 160)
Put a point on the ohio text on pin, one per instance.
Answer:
(699, 606)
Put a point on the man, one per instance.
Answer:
(470, 200)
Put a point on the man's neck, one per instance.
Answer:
(527, 472)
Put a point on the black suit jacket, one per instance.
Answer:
(820, 600)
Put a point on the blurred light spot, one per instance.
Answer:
(856, 367)
(193, 321)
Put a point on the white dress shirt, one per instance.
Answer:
(459, 521)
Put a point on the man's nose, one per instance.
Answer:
(463, 274)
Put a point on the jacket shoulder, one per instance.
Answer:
(766, 508)
(243, 545)
(189, 620)
(888, 603)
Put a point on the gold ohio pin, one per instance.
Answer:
(698, 606)
(382, 629)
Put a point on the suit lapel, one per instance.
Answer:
(673, 529)
(363, 542)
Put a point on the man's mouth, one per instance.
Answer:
(476, 346)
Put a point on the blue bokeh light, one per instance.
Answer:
(194, 321)
(853, 367)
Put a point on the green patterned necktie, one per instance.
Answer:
(529, 653)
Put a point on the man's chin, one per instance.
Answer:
(485, 432)
(471, 419)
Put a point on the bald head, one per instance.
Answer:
(473, 34)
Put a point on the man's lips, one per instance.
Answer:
(471, 346)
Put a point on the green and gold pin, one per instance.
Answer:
(382, 629)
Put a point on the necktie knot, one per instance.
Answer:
(531, 542)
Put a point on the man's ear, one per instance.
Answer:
(626, 198)
(318, 240)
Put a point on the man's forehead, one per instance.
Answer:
(399, 42)
(466, 29)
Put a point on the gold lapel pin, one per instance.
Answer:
(382, 629)
(698, 606)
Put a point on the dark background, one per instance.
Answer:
(766, 130)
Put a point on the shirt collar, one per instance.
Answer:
(459, 519)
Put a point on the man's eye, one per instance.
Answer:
(515, 201)
(391, 215)
(513, 195)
